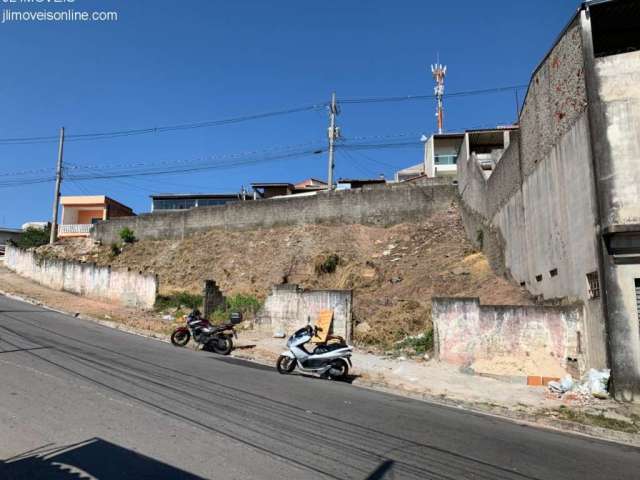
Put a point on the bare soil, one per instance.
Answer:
(393, 271)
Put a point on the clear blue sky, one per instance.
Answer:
(173, 62)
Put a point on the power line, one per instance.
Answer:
(432, 96)
(228, 121)
(161, 129)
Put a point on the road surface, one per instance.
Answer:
(78, 400)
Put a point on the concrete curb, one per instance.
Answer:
(519, 418)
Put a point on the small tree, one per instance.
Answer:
(34, 237)
(127, 235)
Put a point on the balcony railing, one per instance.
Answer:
(74, 229)
(445, 159)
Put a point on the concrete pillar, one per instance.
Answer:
(617, 281)
(212, 298)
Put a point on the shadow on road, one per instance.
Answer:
(93, 459)
(384, 471)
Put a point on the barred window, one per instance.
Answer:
(593, 283)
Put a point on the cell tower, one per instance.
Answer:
(439, 71)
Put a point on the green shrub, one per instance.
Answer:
(419, 344)
(248, 305)
(178, 300)
(34, 237)
(127, 235)
(115, 249)
(327, 264)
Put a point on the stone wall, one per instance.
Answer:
(290, 307)
(370, 206)
(466, 332)
(131, 289)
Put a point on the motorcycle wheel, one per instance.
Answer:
(221, 345)
(285, 364)
(180, 338)
(339, 370)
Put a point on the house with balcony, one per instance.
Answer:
(441, 154)
(80, 213)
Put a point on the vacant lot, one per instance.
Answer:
(394, 271)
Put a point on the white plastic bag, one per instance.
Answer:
(597, 381)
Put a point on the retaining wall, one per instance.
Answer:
(131, 289)
(537, 212)
(465, 331)
(289, 308)
(385, 205)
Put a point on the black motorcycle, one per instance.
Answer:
(217, 338)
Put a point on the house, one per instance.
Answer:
(8, 234)
(441, 154)
(266, 190)
(353, 183)
(409, 173)
(166, 202)
(485, 147)
(310, 184)
(79, 213)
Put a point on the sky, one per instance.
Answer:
(165, 63)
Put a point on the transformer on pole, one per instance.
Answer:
(439, 71)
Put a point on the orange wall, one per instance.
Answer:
(85, 216)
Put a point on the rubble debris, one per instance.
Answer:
(594, 384)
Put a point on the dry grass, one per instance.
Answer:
(394, 271)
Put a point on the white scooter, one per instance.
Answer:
(331, 360)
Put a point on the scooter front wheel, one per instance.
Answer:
(285, 364)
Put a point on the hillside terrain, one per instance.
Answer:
(393, 271)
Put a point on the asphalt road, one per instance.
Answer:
(80, 399)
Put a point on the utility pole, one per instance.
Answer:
(56, 195)
(439, 71)
(334, 134)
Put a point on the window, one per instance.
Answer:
(173, 204)
(445, 159)
(554, 272)
(615, 27)
(95, 220)
(538, 278)
(208, 202)
(593, 285)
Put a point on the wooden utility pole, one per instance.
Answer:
(56, 195)
(334, 134)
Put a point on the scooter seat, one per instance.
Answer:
(329, 347)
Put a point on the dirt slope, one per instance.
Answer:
(394, 271)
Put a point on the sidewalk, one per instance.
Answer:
(428, 380)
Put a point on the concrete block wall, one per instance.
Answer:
(386, 205)
(131, 289)
(289, 307)
(465, 331)
(539, 206)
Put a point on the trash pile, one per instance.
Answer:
(594, 384)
